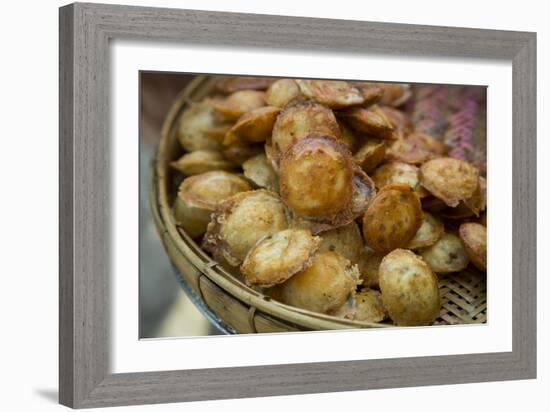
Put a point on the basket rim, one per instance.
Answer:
(188, 248)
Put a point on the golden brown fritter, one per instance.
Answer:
(410, 290)
(474, 238)
(449, 179)
(392, 218)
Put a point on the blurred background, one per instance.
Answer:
(165, 310)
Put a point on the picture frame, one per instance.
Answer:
(84, 351)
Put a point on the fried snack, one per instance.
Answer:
(316, 177)
(253, 126)
(478, 202)
(399, 120)
(371, 121)
(259, 170)
(398, 172)
(217, 133)
(300, 120)
(447, 255)
(243, 219)
(332, 93)
(201, 161)
(323, 287)
(232, 84)
(369, 262)
(371, 93)
(369, 306)
(474, 238)
(431, 230)
(197, 118)
(239, 152)
(394, 94)
(410, 290)
(392, 218)
(199, 195)
(433, 204)
(281, 92)
(345, 240)
(370, 155)
(238, 103)
(449, 179)
(348, 137)
(415, 149)
(277, 257)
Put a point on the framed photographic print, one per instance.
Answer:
(257, 205)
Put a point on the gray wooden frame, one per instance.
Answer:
(85, 31)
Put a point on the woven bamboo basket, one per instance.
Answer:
(241, 309)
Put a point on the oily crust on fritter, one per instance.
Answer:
(410, 290)
(243, 219)
(369, 306)
(297, 121)
(392, 218)
(277, 257)
(345, 240)
(316, 177)
(332, 93)
(474, 238)
(451, 180)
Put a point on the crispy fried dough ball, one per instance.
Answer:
(232, 84)
(348, 137)
(447, 255)
(241, 220)
(392, 218)
(410, 290)
(199, 195)
(260, 171)
(316, 177)
(201, 161)
(300, 120)
(449, 179)
(370, 155)
(281, 92)
(431, 230)
(323, 287)
(372, 122)
(474, 238)
(253, 126)
(195, 119)
(335, 94)
(238, 103)
(369, 306)
(398, 172)
(416, 149)
(345, 240)
(277, 257)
